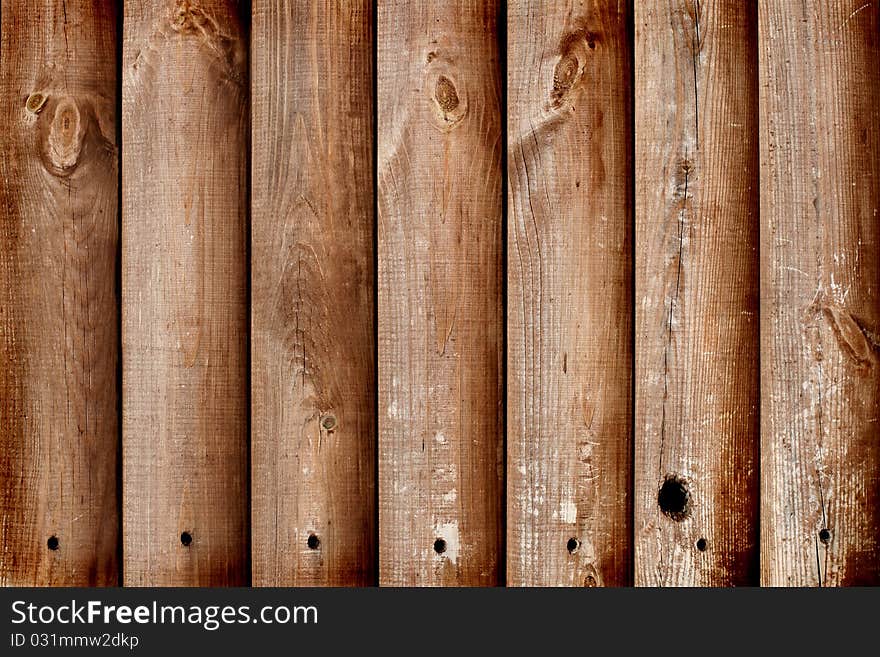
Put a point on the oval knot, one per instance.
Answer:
(66, 134)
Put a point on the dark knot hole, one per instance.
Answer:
(674, 497)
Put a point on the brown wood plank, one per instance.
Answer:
(184, 287)
(440, 340)
(569, 362)
(58, 310)
(313, 339)
(820, 292)
(697, 373)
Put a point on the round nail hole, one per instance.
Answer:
(825, 535)
(53, 543)
(674, 498)
(186, 538)
(702, 544)
(439, 546)
(572, 545)
(313, 542)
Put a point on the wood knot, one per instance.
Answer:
(574, 51)
(445, 94)
(187, 18)
(66, 135)
(35, 102)
(683, 176)
(591, 576)
(329, 422)
(590, 38)
(448, 101)
(564, 76)
(855, 342)
(221, 39)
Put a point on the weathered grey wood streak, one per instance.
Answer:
(184, 287)
(313, 345)
(58, 310)
(820, 292)
(569, 297)
(441, 421)
(697, 373)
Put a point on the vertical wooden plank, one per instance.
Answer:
(820, 292)
(58, 309)
(439, 288)
(313, 366)
(569, 294)
(697, 374)
(184, 286)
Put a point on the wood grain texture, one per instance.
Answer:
(569, 322)
(313, 339)
(441, 422)
(184, 286)
(58, 309)
(697, 375)
(820, 292)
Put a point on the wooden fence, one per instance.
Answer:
(439, 293)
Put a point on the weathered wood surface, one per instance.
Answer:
(313, 339)
(820, 292)
(696, 294)
(440, 341)
(569, 294)
(58, 309)
(184, 287)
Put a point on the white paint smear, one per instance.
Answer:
(449, 532)
(568, 511)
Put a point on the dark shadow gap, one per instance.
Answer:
(120, 520)
(246, 30)
(755, 577)
(630, 45)
(502, 63)
(375, 161)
